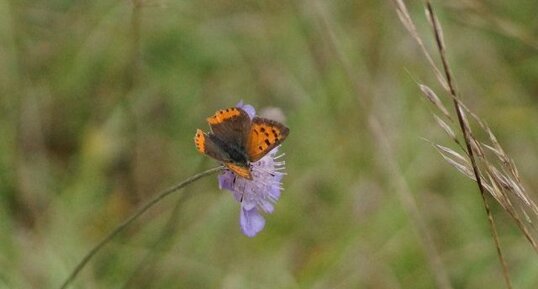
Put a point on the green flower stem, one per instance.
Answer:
(132, 218)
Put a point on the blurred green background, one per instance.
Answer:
(99, 102)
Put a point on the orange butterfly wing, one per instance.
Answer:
(199, 141)
(223, 115)
(240, 170)
(230, 125)
(265, 135)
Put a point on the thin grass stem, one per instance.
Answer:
(130, 220)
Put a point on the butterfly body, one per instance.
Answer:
(237, 140)
(229, 152)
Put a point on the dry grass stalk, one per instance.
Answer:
(430, 94)
(485, 162)
(407, 21)
(499, 174)
(449, 131)
(472, 147)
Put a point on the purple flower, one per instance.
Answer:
(258, 194)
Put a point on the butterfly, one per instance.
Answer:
(237, 140)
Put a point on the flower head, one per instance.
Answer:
(258, 194)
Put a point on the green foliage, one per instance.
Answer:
(100, 101)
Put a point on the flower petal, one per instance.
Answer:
(249, 109)
(248, 204)
(275, 189)
(226, 180)
(266, 206)
(251, 222)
